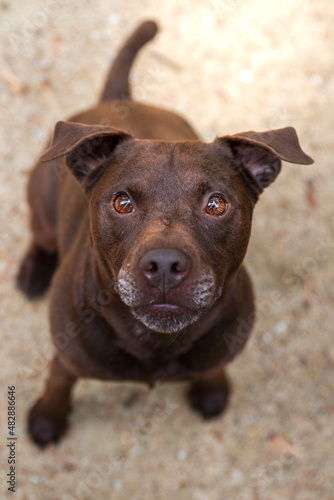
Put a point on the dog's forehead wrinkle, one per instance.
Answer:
(167, 173)
(207, 168)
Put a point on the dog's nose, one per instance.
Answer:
(165, 267)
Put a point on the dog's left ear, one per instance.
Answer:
(259, 154)
(86, 147)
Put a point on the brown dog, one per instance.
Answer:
(148, 227)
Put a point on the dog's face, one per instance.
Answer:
(171, 227)
(170, 221)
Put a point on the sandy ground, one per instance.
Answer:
(228, 66)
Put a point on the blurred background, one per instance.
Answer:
(227, 66)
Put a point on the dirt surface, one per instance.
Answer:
(228, 66)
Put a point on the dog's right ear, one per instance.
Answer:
(87, 147)
(259, 154)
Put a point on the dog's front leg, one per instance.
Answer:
(47, 419)
(209, 393)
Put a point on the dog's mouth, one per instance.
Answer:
(165, 317)
(166, 308)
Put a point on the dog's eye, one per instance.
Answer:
(123, 204)
(216, 205)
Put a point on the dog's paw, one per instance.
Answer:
(35, 272)
(210, 403)
(45, 427)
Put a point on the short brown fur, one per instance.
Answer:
(157, 293)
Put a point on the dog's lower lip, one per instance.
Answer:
(166, 307)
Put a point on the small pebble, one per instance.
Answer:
(114, 19)
(236, 475)
(317, 81)
(281, 327)
(118, 484)
(182, 455)
(35, 479)
(246, 76)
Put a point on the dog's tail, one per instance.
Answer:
(117, 84)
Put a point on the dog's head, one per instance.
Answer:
(170, 221)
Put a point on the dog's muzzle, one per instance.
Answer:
(165, 289)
